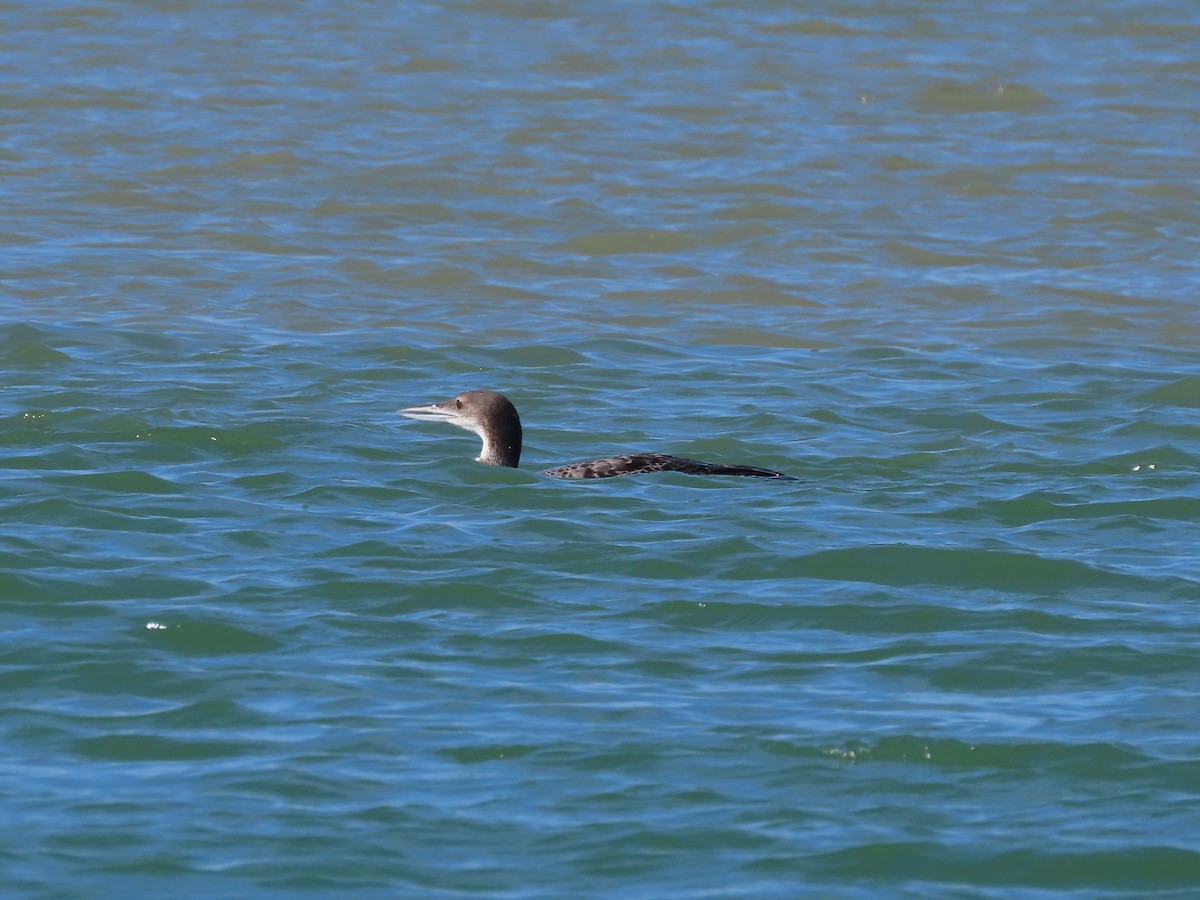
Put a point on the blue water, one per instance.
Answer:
(262, 637)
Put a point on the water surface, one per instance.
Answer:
(262, 637)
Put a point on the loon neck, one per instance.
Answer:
(500, 447)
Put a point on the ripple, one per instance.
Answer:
(262, 640)
(958, 97)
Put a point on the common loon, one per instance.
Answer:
(491, 416)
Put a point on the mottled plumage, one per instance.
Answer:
(491, 416)
(637, 463)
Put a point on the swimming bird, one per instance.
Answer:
(491, 416)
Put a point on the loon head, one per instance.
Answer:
(487, 413)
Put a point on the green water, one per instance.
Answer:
(264, 637)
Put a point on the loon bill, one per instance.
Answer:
(491, 416)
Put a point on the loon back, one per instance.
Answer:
(637, 463)
(491, 416)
